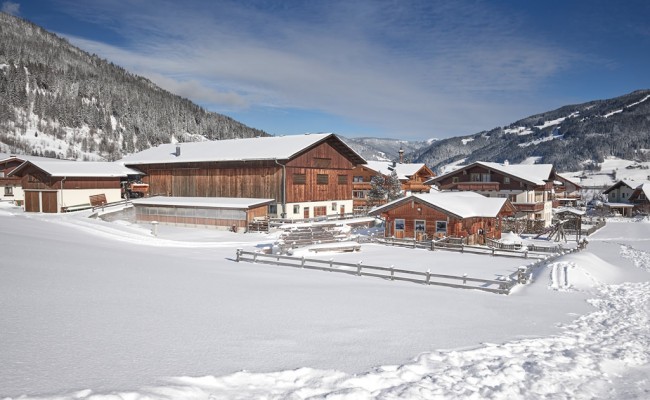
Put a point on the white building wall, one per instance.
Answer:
(328, 204)
(18, 194)
(77, 197)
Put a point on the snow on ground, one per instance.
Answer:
(612, 170)
(99, 310)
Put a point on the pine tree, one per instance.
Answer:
(377, 193)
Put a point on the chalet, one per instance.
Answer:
(56, 186)
(411, 176)
(641, 198)
(234, 214)
(307, 175)
(618, 197)
(10, 187)
(567, 192)
(530, 188)
(445, 214)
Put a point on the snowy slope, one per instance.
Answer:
(106, 310)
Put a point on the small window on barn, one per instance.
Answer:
(441, 227)
(273, 209)
(299, 179)
(358, 194)
(333, 206)
(296, 209)
(420, 225)
(9, 190)
(641, 196)
(322, 162)
(357, 178)
(322, 179)
(343, 179)
(454, 179)
(2, 174)
(399, 224)
(506, 179)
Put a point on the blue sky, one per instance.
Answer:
(402, 69)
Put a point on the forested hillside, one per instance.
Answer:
(59, 101)
(573, 138)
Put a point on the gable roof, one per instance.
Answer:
(233, 203)
(460, 204)
(249, 149)
(536, 174)
(623, 182)
(61, 168)
(403, 171)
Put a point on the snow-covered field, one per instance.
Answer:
(97, 310)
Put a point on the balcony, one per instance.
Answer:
(529, 207)
(472, 186)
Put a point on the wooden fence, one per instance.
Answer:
(501, 286)
(531, 252)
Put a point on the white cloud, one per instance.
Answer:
(417, 70)
(10, 8)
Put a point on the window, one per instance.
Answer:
(641, 196)
(358, 194)
(9, 190)
(2, 174)
(485, 178)
(333, 206)
(299, 179)
(322, 179)
(399, 225)
(273, 209)
(322, 162)
(623, 195)
(454, 179)
(441, 227)
(506, 179)
(420, 225)
(296, 209)
(475, 177)
(357, 179)
(343, 179)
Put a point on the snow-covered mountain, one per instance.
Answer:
(573, 137)
(381, 149)
(59, 101)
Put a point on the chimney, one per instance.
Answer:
(178, 150)
(506, 162)
(401, 155)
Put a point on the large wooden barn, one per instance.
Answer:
(56, 186)
(438, 214)
(307, 175)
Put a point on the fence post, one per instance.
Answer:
(526, 254)
(462, 248)
(493, 251)
(302, 262)
(359, 268)
(331, 264)
(414, 242)
(238, 254)
(464, 279)
(255, 257)
(277, 260)
(433, 245)
(392, 273)
(521, 275)
(428, 275)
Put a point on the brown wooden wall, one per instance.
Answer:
(246, 179)
(456, 227)
(257, 212)
(255, 179)
(41, 181)
(495, 176)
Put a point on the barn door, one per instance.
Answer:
(305, 212)
(32, 202)
(50, 203)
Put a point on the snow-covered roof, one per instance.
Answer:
(23, 157)
(571, 210)
(536, 173)
(403, 171)
(630, 183)
(460, 204)
(78, 168)
(206, 202)
(259, 148)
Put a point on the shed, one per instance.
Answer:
(215, 212)
(55, 186)
(439, 214)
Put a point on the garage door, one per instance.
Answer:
(49, 202)
(32, 202)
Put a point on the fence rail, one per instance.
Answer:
(502, 286)
(533, 252)
(334, 217)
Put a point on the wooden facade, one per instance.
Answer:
(321, 172)
(532, 196)
(10, 186)
(362, 176)
(417, 219)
